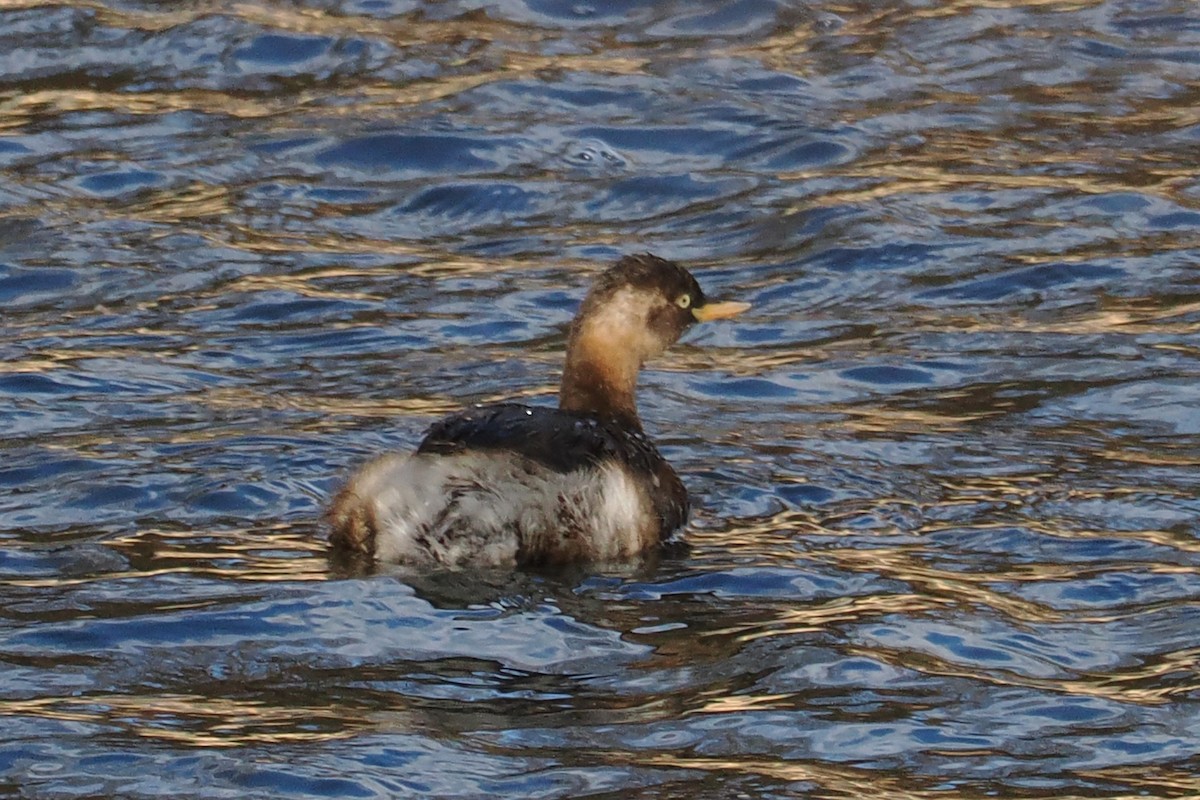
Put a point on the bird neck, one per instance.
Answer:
(600, 377)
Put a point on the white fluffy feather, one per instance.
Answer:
(482, 508)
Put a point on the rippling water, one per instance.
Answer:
(947, 468)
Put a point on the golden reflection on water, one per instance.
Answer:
(1127, 315)
(193, 720)
(936, 178)
(194, 201)
(909, 420)
(277, 553)
(952, 8)
(1139, 684)
(19, 110)
(50, 360)
(815, 617)
(1158, 457)
(839, 781)
(423, 259)
(1149, 777)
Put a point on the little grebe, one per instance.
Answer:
(508, 484)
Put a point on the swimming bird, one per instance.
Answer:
(509, 484)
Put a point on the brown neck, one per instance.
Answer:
(600, 381)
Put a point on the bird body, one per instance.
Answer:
(507, 484)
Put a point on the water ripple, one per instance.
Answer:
(945, 535)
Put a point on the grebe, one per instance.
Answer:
(509, 484)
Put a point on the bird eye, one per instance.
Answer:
(683, 301)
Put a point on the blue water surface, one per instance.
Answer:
(945, 472)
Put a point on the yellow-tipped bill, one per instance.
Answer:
(711, 311)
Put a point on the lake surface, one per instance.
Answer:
(946, 472)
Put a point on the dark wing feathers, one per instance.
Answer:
(558, 440)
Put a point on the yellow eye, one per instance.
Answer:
(683, 301)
